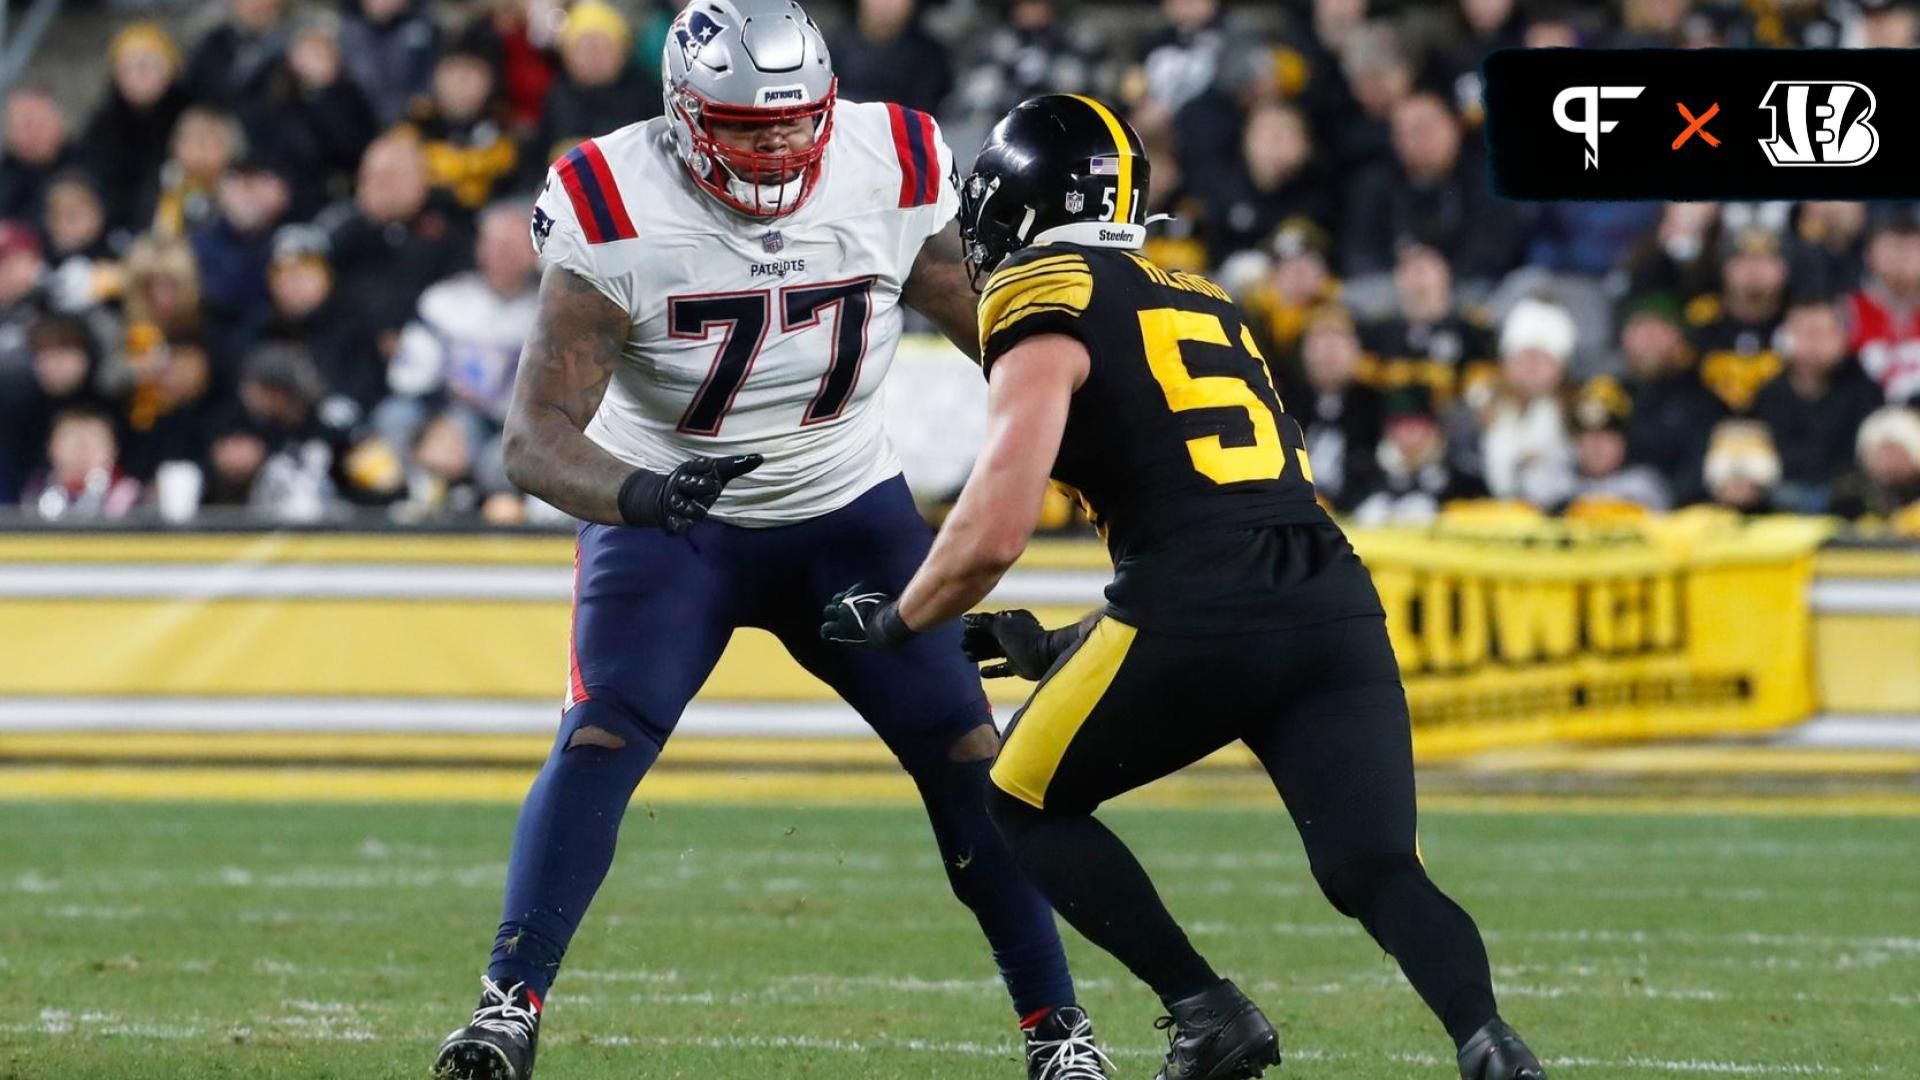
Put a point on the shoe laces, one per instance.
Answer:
(502, 1013)
(1073, 1056)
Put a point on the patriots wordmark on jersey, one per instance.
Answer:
(752, 336)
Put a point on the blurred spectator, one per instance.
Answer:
(162, 290)
(35, 149)
(1742, 467)
(172, 404)
(1733, 332)
(22, 267)
(1274, 178)
(389, 244)
(458, 357)
(462, 128)
(1552, 28)
(1186, 58)
(1034, 52)
(1603, 476)
(1884, 313)
(307, 310)
(1322, 86)
(1680, 259)
(1434, 194)
(599, 89)
(1673, 411)
(274, 452)
(205, 143)
(62, 373)
(232, 248)
(1888, 24)
(230, 66)
(388, 47)
(1831, 247)
(1379, 75)
(128, 136)
(1340, 416)
(1525, 442)
(1815, 407)
(1887, 484)
(442, 481)
(527, 66)
(1414, 475)
(1278, 305)
(1454, 69)
(82, 271)
(320, 120)
(82, 478)
(883, 55)
(1428, 341)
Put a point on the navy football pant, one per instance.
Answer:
(652, 613)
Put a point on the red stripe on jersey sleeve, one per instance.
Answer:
(622, 224)
(909, 171)
(577, 194)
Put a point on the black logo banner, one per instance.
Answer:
(1703, 123)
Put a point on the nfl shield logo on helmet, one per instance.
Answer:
(1076, 202)
(772, 241)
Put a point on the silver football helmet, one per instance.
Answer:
(748, 62)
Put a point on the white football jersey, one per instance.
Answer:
(767, 337)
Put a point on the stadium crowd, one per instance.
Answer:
(284, 266)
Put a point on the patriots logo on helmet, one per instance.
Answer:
(693, 33)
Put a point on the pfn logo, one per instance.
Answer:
(1825, 123)
(1589, 125)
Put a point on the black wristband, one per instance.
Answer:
(889, 629)
(639, 498)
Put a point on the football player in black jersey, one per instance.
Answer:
(1237, 609)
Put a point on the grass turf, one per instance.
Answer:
(747, 942)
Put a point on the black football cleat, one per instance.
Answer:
(499, 1042)
(1495, 1052)
(1217, 1034)
(1061, 1047)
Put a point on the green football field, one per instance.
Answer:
(171, 940)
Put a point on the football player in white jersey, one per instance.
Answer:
(721, 298)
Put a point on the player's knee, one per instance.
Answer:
(1354, 886)
(598, 728)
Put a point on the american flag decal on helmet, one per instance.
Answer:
(1104, 166)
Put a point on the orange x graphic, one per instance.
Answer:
(1697, 125)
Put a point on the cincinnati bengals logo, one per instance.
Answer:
(1819, 123)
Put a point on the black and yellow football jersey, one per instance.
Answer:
(1177, 445)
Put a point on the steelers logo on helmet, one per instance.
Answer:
(1059, 167)
(749, 92)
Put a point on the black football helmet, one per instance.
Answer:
(1058, 167)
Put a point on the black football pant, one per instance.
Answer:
(1321, 707)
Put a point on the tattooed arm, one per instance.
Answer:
(938, 287)
(577, 338)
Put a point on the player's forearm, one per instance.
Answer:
(964, 566)
(577, 338)
(939, 288)
(551, 460)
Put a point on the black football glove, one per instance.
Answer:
(1017, 638)
(865, 617)
(676, 501)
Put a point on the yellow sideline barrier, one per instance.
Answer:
(1507, 633)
